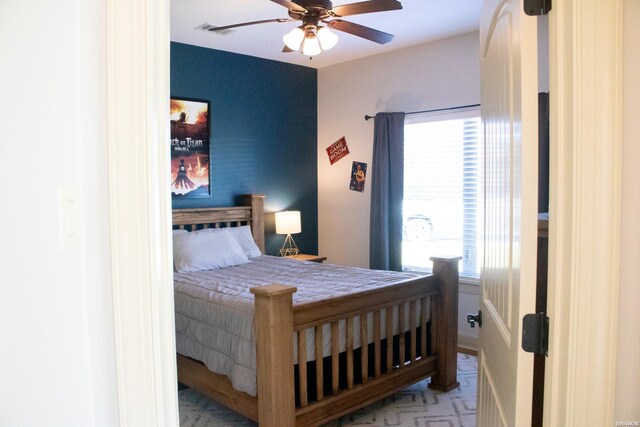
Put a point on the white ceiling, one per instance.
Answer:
(418, 22)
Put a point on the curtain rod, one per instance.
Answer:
(367, 117)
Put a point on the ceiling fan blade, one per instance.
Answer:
(361, 31)
(290, 5)
(287, 49)
(365, 7)
(244, 24)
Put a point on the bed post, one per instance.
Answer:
(256, 201)
(274, 350)
(444, 309)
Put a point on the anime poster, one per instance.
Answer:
(190, 148)
(358, 176)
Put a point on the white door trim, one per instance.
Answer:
(138, 120)
(585, 208)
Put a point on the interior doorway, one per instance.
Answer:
(145, 355)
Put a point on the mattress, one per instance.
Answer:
(214, 309)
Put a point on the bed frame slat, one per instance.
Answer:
(413, 326)
(402, 357)
(350, 353)
(389, 336)
(423, 328)
(364, 349)
(302, 367)
(319, 368)
(335, 361)
(376, 343)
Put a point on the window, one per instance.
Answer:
(442, 189)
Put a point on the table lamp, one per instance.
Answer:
(288, 222)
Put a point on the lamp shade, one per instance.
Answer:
(293, 39)
(288, 222)
(311, 45)
(327, 38)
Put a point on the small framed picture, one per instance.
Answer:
(358, 176)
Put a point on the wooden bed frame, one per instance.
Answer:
(376, 375)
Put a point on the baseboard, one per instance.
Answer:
(469, 351)
(468, 344)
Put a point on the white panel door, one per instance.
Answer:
(508, 40)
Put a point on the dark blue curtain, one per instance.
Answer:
(387, 181)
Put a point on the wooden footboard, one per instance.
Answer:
(396, 362)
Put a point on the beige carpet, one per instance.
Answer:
(415, 406)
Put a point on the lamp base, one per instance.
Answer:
(289, 247)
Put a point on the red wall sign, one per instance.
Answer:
(337, 150)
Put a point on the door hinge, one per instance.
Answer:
(472, 319)
(537, 7)
(535, 333)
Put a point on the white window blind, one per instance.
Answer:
(442, 189)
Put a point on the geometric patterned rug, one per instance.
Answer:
(415, 406)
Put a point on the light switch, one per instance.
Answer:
(69, 217)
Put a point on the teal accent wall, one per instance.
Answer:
(263, 133)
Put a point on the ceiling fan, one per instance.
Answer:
(311, 38)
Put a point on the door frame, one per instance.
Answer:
(585, 60)
(140, 211)
(581, 65)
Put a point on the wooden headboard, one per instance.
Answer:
(250, 212)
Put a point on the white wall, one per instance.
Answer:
(468, 303)
(57, 359)
(441, 74)
(444, 73)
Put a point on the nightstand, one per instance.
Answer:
(307, 257)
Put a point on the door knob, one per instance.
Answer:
(472, 319)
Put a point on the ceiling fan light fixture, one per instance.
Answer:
(311, 45)
(310, 37)
(327, 38)
(294, 38)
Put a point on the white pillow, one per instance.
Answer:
(206, 251)
(245, 238)
(179, 231)
(242, 235)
